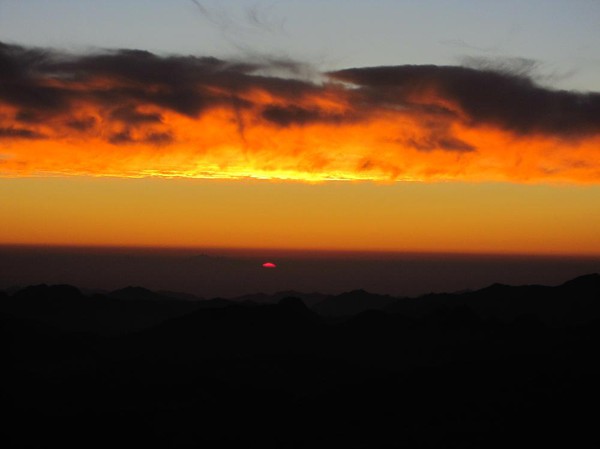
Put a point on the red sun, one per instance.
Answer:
(269, 265)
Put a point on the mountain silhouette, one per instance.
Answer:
(310, 299)
(587, 285)
(351, 303)
(497, 367)
(136, 294)
(67, 308)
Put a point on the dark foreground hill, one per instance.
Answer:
(500, 367)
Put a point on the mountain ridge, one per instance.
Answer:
(478, 369)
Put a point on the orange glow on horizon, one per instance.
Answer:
(453, 217)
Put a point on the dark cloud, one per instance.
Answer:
(183, 84)
(521, 67)
(37, 79)
(17, 63)
(22, 75)
(19, 133)
(454, 144)
(83, 124)
(158, 138)
(510, 101)
(121, 137)
(133, 89)
(294, 115)
(435, 133)
(152, 138)
(130, 115)
(27, 116)
(29, 95)
(433, 142)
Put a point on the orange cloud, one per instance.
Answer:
(134, 114)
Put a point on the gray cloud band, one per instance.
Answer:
(41, 83)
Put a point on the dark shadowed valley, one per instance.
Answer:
(495, 367)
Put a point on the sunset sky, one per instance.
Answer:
(463, 126)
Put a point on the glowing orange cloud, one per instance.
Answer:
(135, 114)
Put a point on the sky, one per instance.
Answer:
(434, 126)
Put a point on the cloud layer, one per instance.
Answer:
(133, 113)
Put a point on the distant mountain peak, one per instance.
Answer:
(63, 290)
(496, 286)
(357, 292)
(591, 280)
(292, 302)
(586, 277)
(132, 288)
(135, 293)
(351, 303)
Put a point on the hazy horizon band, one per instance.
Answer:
(229, 272)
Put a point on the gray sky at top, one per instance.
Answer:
(559, 39)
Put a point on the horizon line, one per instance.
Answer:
(295, 250)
